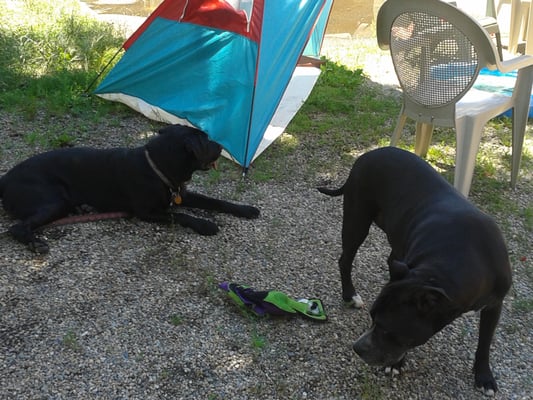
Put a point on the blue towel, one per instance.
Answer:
(498, 82)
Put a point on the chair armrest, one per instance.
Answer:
(514, 63)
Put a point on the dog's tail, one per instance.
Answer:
(2, 185)
(332, 192)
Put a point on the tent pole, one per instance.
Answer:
(86, 92)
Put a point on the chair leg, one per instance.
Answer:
(520, 115)
(468, 137)
(395, 138)
(518, 141)
(519, 131)
(424, 131)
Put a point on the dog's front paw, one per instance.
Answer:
(204, 227)
(354, 302)
(392, 371)
(249, 212)
(396, 368)
(486, 383)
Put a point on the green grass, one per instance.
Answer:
(70, 341)
(176, 320)
(49, 55)
(523, 305)
(49, 139)
(528, 217)
(258, 341)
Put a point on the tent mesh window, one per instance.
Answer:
(435, 62)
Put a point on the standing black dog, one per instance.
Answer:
(447, 257)
(143, 182)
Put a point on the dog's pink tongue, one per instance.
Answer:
(214, 165)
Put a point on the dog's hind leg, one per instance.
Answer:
(24, 234)
(355, 227)
(24, 231)
(487, 325)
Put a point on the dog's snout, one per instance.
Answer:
(377, 354)
(357, 348)
(363, 344)
(362, 349)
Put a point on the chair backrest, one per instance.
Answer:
(437, 52)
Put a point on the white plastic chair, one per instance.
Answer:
(437, 52)
(484, 11)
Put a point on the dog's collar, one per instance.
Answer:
(174, 191)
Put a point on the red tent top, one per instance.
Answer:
(217, 14)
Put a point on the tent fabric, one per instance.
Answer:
(221, 66)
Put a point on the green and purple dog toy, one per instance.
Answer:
(273, 302)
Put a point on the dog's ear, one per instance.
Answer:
(398, 270)
(196, 144)
(430, 299)
(169, 129)
(203, 149)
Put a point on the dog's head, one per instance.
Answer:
(180, 150)
(406, 314)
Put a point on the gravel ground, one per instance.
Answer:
(129, 310)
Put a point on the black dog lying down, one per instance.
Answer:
(144, 182)
(447, 257)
